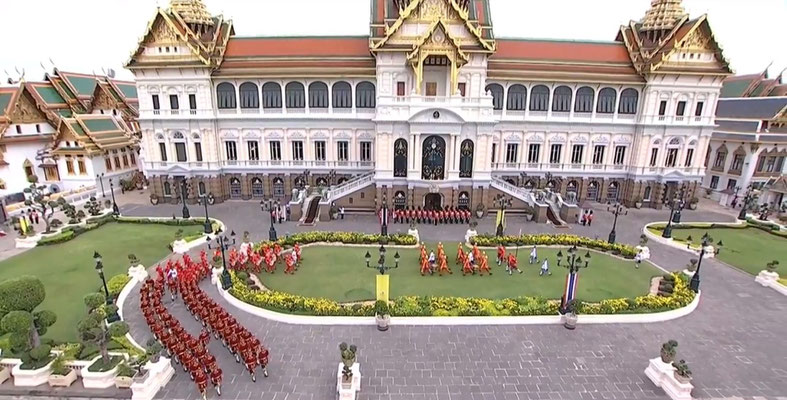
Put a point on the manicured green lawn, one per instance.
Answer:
(340, 273)
(749, 249)
(68, 270)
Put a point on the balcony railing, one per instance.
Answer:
(537, 168)
(281, 164)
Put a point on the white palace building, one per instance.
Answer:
(430, 109)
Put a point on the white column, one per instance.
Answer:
(457, 149)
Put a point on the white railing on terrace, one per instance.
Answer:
(350, 186)
(201, 165)
(257, 112)
(520, 193)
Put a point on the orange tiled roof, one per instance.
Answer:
(348, 46)
(567, 51)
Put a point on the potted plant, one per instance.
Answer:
(381, 315)
(479, 210)
(348, 354)
(693, 203)
(5, 373)
(125, 375)
(771, 266)
(643, 239)
(61, 376)
(153, 350)
(682, 371)
(638, 202)
(668, 350)
(570, 316)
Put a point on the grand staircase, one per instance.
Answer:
(351, 186)
(312, 212)
(523, 194)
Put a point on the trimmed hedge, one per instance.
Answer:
(116, 284)
(342, 237)
(555, 240)
(92, 223)
(768, 227)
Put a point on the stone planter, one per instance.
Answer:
(158, 375)
(570, 321)
(62, 380)
(98, 380)
(5, 373)
(638, 205)
(31, 377)
(180, 246)
(479, 213)
(663, 375)
(688, 273)
(123, 382)
(682, 379)
(692, 206)
(383, 322)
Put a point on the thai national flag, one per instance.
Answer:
(571, 287)
(384, 216)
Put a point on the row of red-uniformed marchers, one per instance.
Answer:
(192, 353)
(472, 262)
(418, 215)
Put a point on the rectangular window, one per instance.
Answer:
(342, 153)
(162, 149)
(672, 158)
(319, 150)
(689, 157)
(598, 154)
(698, 110)
(180, 152)
(297, 150)
(125, 160)
(714, 182)
(400, 88)
(174, 104)
(576, 153)
(681, 109)
(132, 158)
(275, 148)
(554, 154)
(771, 165)
(19, 129)
(663, 108)
(720, 158)
(654, 156)
(431, 88)
(366, 151)
(156, 105)
(494, 152)
(511, 152)
(117, 162)
(254, 150)
(192, 102)
(232, 150)
(731, 184)
(50, 173)
(780, 164)
(108, 164)
(198, 151)
(533, 153)
(70, 166)
(737, 162)
(620, 155)
(81, 165)
(38, 128)
(462, 89)
(760, 163)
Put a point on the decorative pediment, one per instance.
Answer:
(102, 100)
(623, 139)
(366, 135)
(579, 139)
(25, 110)
(558, 138)
(319, 135)
(228, 134)
(600, 139)
(342, 135)
(536, 138)
(274, 134)
(298, 134)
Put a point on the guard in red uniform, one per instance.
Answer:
(250, 360)
(262, 359)
(215, 378)
(201, 379)
(204, 337)
(512, 264)
(501, 254)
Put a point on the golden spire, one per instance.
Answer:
(192, 11)
(663, 15)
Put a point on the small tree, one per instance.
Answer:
(93, 207)
(38, 200)
(133, 260)
(772, 266)
(93, 329)
(19, 297)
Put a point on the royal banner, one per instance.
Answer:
(382, 287)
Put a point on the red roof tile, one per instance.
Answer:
(298, 47)
(562, 51)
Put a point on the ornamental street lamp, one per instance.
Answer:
(224, 243)
(115, 209)
(381, 267)
(100, 270)
(746, 200)
(676, 204)
(100, 178)
(694, 285)
(384, 217)
(502, 202)
(208, 227)
(573, 262)
(331, 177)
(272, 231)
(305, 176)
(183, 195)
(617, 209)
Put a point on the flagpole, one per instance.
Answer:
(517, 244)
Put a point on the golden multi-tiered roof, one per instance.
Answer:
(192, 11)
(663, 15)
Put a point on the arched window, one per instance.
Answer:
(646, 196)
(593, 191)
(400, 158)
(571, 191)
(167, 189)
(464, 201)
(249, 96)
(278, 187)
(300, 183)
(606, 101)
(530, 184)
(271, 95)
(562, 99)
(584, 100)
(178, 136)
(517, 98)
(235, 188)
(497, 95)
(612, 192)
(628, 101)
(539, 98)
(201, 188)
(295, 95)
(256, 188)
(364, 95)
(400, 200)
(225, 95)
(342, 95)
(318, 95)
(321, 182)
(466, 159)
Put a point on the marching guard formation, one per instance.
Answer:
(419, 215)
(189, 351)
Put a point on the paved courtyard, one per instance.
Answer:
(734, 341)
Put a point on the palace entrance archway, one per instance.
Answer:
(433, 201)
(433, 167)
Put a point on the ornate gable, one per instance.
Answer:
(163, 41)
(25, 110)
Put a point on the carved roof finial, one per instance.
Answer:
(663, 15)
(192, 11)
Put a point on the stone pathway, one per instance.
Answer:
(734, 341)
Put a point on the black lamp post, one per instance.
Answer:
(272, 231)
(183, 196)
(502, 202)
(694, 284)
(617, 210)
(100, 270)
(381, 267)
(115, 209)
(676, 204)
(746, 200)
(223, 243)
(522, 179)
(573, 262)
(384, 217)
(100, 178)
(331, 177)
(208, 226)
(305, 176)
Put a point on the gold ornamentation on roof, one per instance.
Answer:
(192, 11)
(663, 15)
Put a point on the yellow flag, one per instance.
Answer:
(23, 225)
(383, 284)
(501, 219)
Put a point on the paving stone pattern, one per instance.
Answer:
(734, 341)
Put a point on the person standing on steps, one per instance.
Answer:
(341, 212)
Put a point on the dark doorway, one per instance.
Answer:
(433, 201)
(433, 167)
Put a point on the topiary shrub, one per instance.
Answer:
(92, 329)
(116, 284)
(19, 297)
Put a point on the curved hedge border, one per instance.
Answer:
(341, 237)
(622, 250)
(771, 228)
(410, 306)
